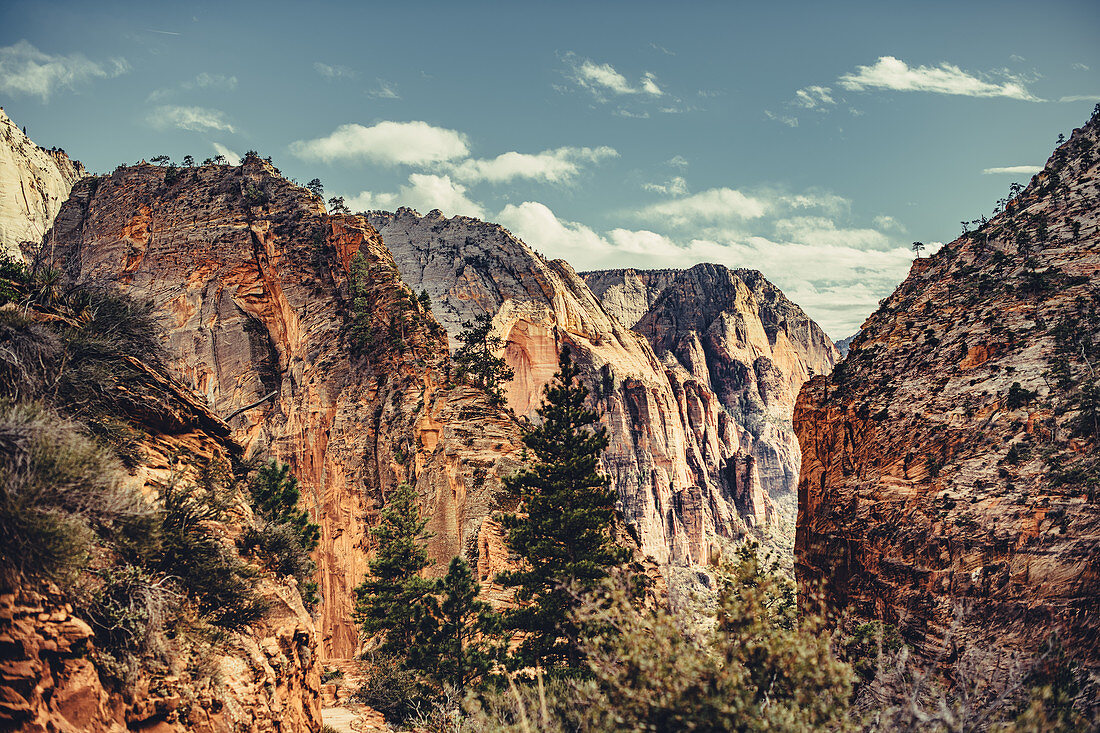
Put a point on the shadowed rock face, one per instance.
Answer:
(251, 281)
(949, 472)
(34, 182)
(732, 334)
(683, 466)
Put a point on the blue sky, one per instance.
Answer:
(812, 141)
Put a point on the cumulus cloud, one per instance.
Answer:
(893, 73)
(423, 192)
(603, 79)
(552, 166)
(813, 97)
(675, 186)
(712, 205)
(1023, 170)
(26, 70)
(836, 273)
(231, 157)
(388, 143)
(195, 119)
(333, 71)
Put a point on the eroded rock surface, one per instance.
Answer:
(949, 463)
(253, 284)
(34, 182)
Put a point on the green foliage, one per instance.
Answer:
(425, 300)
(275, 496)
(392, 689)
(461, 648)
(476, 359)
(1019, 396)
(129, 610)
(61, 495)
(759, 667)
(204, 566)
(361, 328)
(392, 602)
(562, 531)
(316, 187)
(867, 643)
(172, 174)
(254, 195)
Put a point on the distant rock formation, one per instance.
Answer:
(951, 463)
(684, 470)
(34, 182)
(844, 344)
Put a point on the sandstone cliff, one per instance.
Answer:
(685, 472)
(34, 182)
(264, 295)
(54, 676)
(950, 462)
(741, 349)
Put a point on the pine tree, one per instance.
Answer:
(393, 601)
(562, 532)
(275, 494)
(476, 357)
(462, 648)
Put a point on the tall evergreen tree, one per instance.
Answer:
(462, 646)
(476, 359)
(393, 601)
(562, 531)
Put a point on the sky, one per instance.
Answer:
(812, 141)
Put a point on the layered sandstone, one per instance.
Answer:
(733, 341)
(34, 182)
(949, 463)
(270, 304)
(686, 473)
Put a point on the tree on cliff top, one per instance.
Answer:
(562, 531)
(476, 359)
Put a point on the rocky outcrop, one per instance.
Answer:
(684, 471)
(296, 328)
(34, 182)
(737, 347)
(265, 678)
(949, 463)
(844, 344)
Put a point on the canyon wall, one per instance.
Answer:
(34, 182)
(950, 463)
(297, 330)
(688, 470)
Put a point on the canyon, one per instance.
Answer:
(948, 483)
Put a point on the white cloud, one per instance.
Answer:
(787, 120)
(1079, 67)
(385, 90)
(888, 223)
(203, 80)
(893, 73)
(389, 143)
(836, 273)
(602, 79)
(423, 192)
(230, 156)
(196, 119)
(333, 71)
(813, 97)
(1023, 170)
(26, 70)
(551, 166)
(1081, 98)
(712, 205)
(675, 186)
(677, 161)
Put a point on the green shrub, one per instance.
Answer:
(205, 567)
(129, 610)
(59, 494)
(392, 690)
